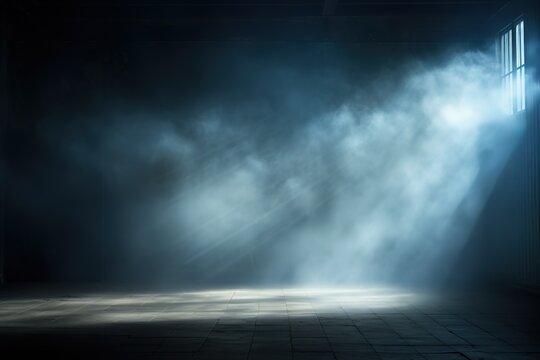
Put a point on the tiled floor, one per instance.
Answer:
(342, 324)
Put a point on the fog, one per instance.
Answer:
(383, 185)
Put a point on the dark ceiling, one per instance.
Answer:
(247, 20)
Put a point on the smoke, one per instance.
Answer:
(385, 186)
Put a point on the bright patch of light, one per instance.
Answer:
(200, 305)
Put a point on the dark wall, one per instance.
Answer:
(74, 184)
(67, 206)
(511, 223)
(3, 123)
(504, 249)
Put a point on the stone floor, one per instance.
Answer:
(342, 324)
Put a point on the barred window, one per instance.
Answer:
(512, 58)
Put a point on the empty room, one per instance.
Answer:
(269, 179)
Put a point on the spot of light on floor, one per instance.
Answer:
(211, 305)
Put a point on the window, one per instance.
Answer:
(512, 57)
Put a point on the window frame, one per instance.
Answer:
(512, 60)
